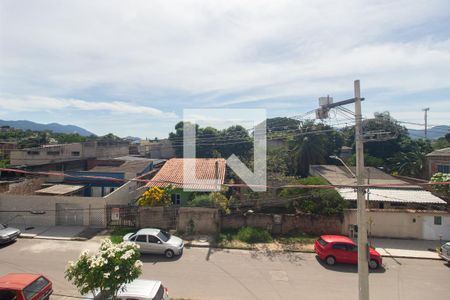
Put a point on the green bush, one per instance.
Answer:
(202, 201)
(253, 235)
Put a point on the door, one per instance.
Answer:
(68, 214)
(156, 245)
(352, 253)
(141, 240)
(340, 252)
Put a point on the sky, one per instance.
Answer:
(132, 67)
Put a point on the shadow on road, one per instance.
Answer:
(7, 244)
(155, 258)
(347, 268)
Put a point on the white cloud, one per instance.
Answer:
(218, 53)
(34, 103)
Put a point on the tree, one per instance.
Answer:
(106, 272)
(411, 158)
(317, 201)
(213, 200)
(443, 189)
(156, 196)
(313, 144)
(212, 143)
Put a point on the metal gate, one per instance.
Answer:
(68, 214)
(121, 215)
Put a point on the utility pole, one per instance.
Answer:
(363, 264)
(426, 120)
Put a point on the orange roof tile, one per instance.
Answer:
(172, 173)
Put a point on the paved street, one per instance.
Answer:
(202, 273)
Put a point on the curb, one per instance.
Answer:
(303, 251)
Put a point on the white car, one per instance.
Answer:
(445, 252)
(152, 240)
(140, 289)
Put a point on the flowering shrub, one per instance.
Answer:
(156, 196)
(106, 272)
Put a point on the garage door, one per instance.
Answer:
(69, 214)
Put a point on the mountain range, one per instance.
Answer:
(55, 127)
(432, 133)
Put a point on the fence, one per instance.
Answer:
(121, 215)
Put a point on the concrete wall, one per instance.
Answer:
(434, 161)
(285, 223)
(198, 220)
(402, 224)
(17, 209)
(125, 194)
(159, 217)
(66, 152)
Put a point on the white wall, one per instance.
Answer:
(435, 232)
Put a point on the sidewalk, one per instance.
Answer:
(51, 232)
(399, 248)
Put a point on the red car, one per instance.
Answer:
(340, 249)
(21, 286)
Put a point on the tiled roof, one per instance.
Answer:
(394, 195)
(172, 173)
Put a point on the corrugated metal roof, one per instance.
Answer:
(338, 175)
(60, 189)
(172, 173)
(394, 195)
(441, 152)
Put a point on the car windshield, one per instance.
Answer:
(35, 287)
(163, 236)
(2, 226)
(446, 247)
(160, 294)
(322, 242)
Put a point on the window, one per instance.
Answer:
(339, 246)
(160, 294)
(437, 220)
(33, 152)
(141, 238)
(53, 153)
(163, 236)
(443, 169)
(353, 248)
(322, 242)
(153, 239)
(8, 295)
(176, 199)
(75, 153)
(35, 287)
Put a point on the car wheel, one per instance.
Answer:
(373, 264)
(169, 253)
(330, 260)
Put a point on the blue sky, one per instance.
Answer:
(131, 67)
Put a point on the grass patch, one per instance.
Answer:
(249, 235)
(118, 233)
(303, 239)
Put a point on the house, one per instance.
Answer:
(156, 149)
(105, 176)
(61, 153)
(438, 161)
(209, 175)
(6, 148)
(388, 197)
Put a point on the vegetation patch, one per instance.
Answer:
(118, 233)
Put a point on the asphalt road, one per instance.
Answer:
(203, 273)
